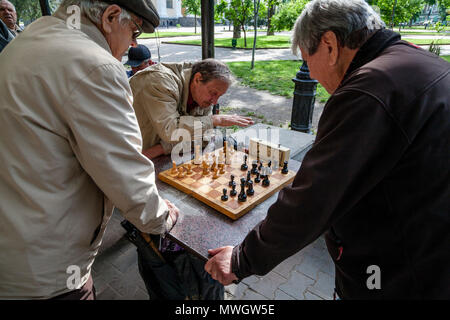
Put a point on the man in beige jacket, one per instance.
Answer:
(170, 96)
(71, 147)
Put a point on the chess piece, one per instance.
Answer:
(257, 179)
(249, 178)
(242, 197)
(254, 167)
(215, 176)
(250, 190)
(244, 166)
(174, 168)
(224, 196)
(221, 167)
(213, 166)
(231, 181)
(266, 181)
(233, 191)
(260, 166)
(197, 155)
(205, 168)
(221, 157)
(285, 169)
(189, 169)
(180, 172)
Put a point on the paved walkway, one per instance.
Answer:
(307, 275)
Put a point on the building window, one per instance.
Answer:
(169, 4)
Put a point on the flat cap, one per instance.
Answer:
(143, 9)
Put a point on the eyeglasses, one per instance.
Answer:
(138, 32)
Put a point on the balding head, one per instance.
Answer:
(8, 14)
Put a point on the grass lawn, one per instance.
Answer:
(447, 58)
(169, 34)
(272, 42)
(263, 42)
(273, 76)
(428, 41)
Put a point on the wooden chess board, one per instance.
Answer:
(209, 190)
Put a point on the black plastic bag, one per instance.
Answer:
(172, 275)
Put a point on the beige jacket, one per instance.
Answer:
(161, 92)
(70, 149)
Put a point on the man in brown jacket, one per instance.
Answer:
(170, 96)
(376, 181)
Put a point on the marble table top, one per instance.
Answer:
(200, 227)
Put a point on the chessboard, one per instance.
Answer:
(207, 186)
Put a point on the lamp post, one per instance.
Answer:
(304, 98)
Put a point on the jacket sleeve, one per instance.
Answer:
(357, 144)
(106, 140)
(160, 100)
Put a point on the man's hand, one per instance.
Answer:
(227, 120)
(219, 266)
(173, 213)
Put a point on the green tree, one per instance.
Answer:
(285, 18)
(30, 10)
(240, 11)
(193, 7)
(271, 6)
(404, 11)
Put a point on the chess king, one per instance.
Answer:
(177, 96)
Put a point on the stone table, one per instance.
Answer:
(200, 227)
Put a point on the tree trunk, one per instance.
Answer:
(270, 12)
(245, 37)
(195, 23)
(236, 30)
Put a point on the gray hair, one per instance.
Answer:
(9, 3)
(352, 21)
(93, 9)
(212, 69)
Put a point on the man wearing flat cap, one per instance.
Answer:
(71, 147)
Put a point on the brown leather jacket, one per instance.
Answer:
(376, 181)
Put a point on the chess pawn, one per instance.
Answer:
(232, 181)
(233, 191)
(180, 172)
(250, 190)
(189, 169)
(257, 179)
(285, 169)
(254, 167)
(174, 168)
(249, 178)
(222, 171)
(205, 168)
(215, 176)
(244, 166)
(224, 196)
(242, 196)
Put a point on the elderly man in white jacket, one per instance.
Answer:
(71, 147)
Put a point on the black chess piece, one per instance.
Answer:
(224, 196)
(231, 181)
(285, 169)
(257, 179)
(260, 166)
(249, 178)
(244, 166)
(266, 181)
(233, 191)
(242, 197)
(250, 190)
(254, 167)
(269, 164)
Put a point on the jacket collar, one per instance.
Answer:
(87, 27)
(379, 41)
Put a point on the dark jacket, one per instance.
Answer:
(376, 181)
(5, 35)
